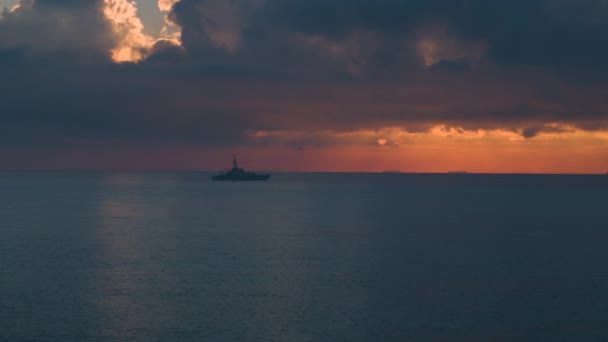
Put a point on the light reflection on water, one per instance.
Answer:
(175, 257)
(129, 216)
(119, 248)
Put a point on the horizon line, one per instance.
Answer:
(388, 172)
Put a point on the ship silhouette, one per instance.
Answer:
(237, 174)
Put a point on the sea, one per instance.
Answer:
(173, 256)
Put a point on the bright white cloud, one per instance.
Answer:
(166, 5)
(132, 44)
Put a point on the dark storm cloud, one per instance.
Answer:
(317, 65)
(111, 102)
(11, 56)
(531, 132)
(56, 27)
(536, 32)
(381, 40)
(450, 65)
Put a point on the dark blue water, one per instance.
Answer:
(304, 257)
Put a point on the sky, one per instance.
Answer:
(305, 85)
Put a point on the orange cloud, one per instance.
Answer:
(166, 5)
(132, 44)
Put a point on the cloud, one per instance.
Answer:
(102, 28)
(166, 5)
(22, 4)
(305, 72)
(170, 31)
(542, 33)
(450, 65)
(219, 23)
(132, 44)
(55, 27)
(534, 131)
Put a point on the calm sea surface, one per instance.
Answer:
(304, 257)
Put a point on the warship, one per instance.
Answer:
(239, 174)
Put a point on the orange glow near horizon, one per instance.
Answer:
(436, 151)
(443, 149)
